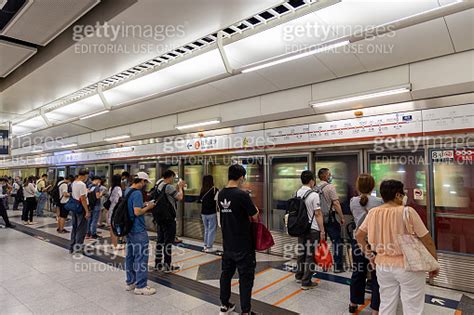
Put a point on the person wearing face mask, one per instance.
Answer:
(381, 227)
(336, 217)
(236, 206)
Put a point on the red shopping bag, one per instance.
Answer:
(323, 256)
(262, 236)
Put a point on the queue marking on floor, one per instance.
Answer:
(197, 265)
(256, 275)
(362, 307)
(287, 297)
(190, 258)
(272, 284)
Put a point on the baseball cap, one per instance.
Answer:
(142, 175)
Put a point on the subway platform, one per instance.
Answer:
(39, 276)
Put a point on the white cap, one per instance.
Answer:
(143, 175)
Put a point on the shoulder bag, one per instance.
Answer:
(416, 256)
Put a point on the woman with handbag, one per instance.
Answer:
(404, 247)
(360, 207)
(208, 212)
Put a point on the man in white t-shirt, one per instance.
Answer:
(307, 244)
(79, 220)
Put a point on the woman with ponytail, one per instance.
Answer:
(360, 206)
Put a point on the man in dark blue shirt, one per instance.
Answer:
(136, 261)
(236, 208)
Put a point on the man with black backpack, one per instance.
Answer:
(308, 241)
(166, 197)
(136, 260)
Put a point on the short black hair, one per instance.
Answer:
(306, 177)
(126, 174)
(322, 171)
(389, 189)
(44, 175)
(236, 171)
(70, 177)
(83, 172)
(137, 180)
(96, 178)
(168, 174)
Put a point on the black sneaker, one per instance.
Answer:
(227, 309)
(353, 309)
(10, 226)
(159, 267)
(309, 286)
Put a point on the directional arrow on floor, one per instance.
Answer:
(437, 301)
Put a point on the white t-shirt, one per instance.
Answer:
(79, 189)
(63, 188)
(312, 204)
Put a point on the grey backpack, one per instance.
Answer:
(326, 205)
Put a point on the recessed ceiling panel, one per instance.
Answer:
(40, 21)
(12, 56)
(88, 105)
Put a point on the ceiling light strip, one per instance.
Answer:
(213, 121)
(114, 138)
(362, 97)
(94, 114)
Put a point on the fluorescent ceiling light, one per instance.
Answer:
(117, 138)
(294, 56)
(24, 135)
(70, 145)
(199, 124)
(95, 114)
(37, 151)
(362, 97)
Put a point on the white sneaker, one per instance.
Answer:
(130, 287)
(145, 291)
(210, 250)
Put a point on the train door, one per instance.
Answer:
(118, 169)
(102, 171)
(407, 167)
(344, 167)
(193, 173)
(452, 208)
(147, 167)
(285, 180)
(174, 165)
(254, 183)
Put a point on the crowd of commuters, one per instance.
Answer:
(377, 223)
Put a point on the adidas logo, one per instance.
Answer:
(225, 206)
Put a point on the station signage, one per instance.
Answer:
(4, 142)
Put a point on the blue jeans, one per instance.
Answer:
(41, 204)
(210, 227)
(92, 222)
(136, 261)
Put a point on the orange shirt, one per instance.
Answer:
(382, 226)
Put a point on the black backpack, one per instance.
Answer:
(297, 216)
(121, 222)
(163, 211)
(55, 194)
(92, 196)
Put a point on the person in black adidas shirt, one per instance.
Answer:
(236, 208)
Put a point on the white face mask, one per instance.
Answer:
(405, 200)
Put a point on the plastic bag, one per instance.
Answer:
(323, 257)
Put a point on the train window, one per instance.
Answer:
(285, 176)
(344, 169)
(453, 186)
(408, 168)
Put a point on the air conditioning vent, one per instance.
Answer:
(8, 9)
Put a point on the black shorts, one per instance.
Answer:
(62, 211)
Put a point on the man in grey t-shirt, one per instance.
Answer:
(167, 230)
